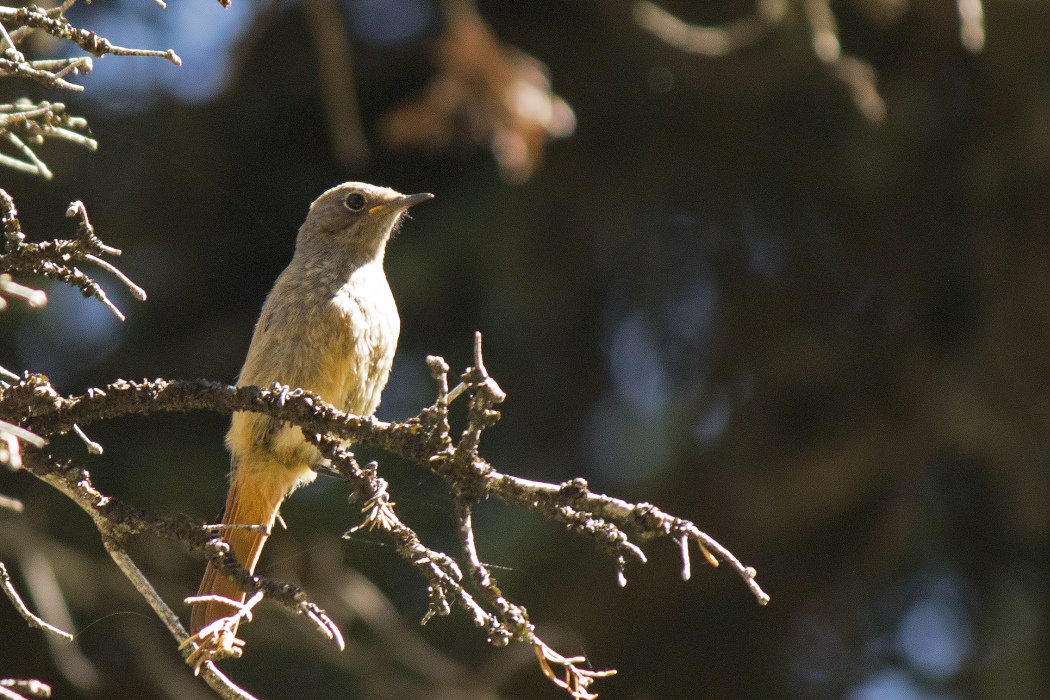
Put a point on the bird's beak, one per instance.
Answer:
(403, 202)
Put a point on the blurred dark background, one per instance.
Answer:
(729, 292)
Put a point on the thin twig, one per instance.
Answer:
(336, 75)
(37, 164)
(856, 74)
(6, 694)
(136, 291)
(11, 504)
(35, 298)
(16, 55)
(30, 688)
(93, 447)
(22, 434)
(31, 619)
(48, 598)
(58, 26)
(15, 164)
(236, 526)
(709, 41)
(222, 685)
(971, 25)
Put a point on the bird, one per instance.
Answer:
(330, 326)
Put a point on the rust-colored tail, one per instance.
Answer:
(249, 502)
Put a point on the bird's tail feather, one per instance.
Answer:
(251, 501)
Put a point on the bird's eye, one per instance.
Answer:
(355, 201)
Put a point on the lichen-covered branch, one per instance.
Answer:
(423, 439)
(54, 23)
(49, 72)
(24, 123)
(33, 404)
(55, 259)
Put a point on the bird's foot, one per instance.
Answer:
(219, 639)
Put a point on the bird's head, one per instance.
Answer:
(355, 218)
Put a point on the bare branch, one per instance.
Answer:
(12, 504)
(49, 599)
(710, 41)
(24, 125)
(856, 74)
(10, 434)
(136, 291)
(15, 54)
(117, 521)
(31, 619)
(336, 74)
(971, 25)
(219, 639)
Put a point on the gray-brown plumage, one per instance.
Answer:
(330, 326)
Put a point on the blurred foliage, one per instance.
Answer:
(726, 293)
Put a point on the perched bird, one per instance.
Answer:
(330, 326)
